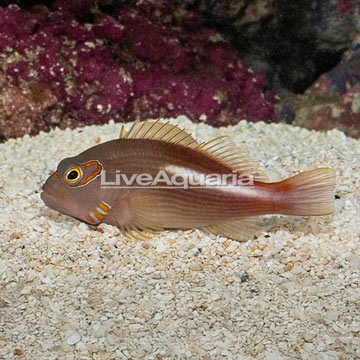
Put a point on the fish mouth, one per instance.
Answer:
(48, 198)
(55, 199)
(46, 190)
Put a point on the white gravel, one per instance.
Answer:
(69, 292)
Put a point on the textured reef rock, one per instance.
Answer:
(21, 111)
(333, 100)
(235, 12)
(143, 61)
(81, 62)
(293, 42)
(299, 41)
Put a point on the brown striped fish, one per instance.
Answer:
(156, 176)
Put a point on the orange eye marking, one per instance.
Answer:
(56, 175)
(97, 172)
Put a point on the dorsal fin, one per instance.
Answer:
(122, 132)
(156, 130)
(220, 148)
(223, 149)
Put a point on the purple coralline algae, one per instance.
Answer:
(144, 61)
(20, 109)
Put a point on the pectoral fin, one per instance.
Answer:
(135, 216)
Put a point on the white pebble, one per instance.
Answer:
(73, 338)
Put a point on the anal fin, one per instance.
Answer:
(240, 230)
(132, 233)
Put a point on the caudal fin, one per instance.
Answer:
(309, 193)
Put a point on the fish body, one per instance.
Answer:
(226, 200)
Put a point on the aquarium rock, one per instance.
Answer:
(333, 100)
(144, 61)
(235, 12)
(22, 108)
(298, 42)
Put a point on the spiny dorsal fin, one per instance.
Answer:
(220, 148)
(240, 230)
(122, 132)
(156, 130)
(223, 149)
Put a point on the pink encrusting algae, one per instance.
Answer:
(144, 61)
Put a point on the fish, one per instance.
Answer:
(212, 186)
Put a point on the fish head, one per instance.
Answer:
(74, 189)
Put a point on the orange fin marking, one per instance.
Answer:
(99, 216)
(104, 206)
(90, 218)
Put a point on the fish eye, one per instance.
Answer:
(73, 175)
